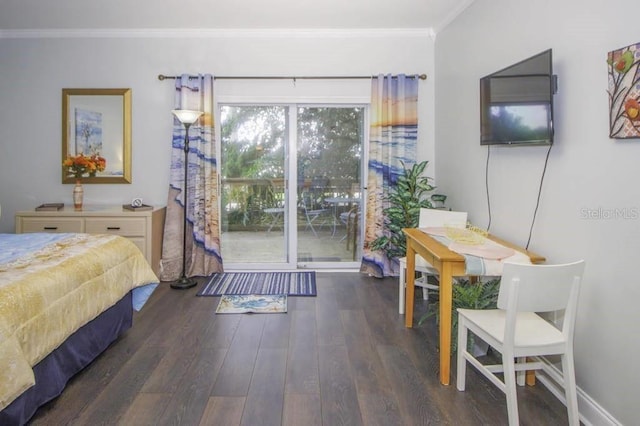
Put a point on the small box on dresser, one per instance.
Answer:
(144, 228)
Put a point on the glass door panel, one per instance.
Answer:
(253, 186)
(329, 169)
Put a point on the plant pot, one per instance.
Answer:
(480, 347)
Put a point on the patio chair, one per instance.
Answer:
(315, 213)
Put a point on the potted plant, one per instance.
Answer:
(466, 295)
(406, 198)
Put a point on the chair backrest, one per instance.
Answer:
(439, 218)
(277, 192)
(539, 288)
(311, 202)
(319, 182)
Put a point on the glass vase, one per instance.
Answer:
(78, 195)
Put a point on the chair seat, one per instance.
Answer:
(421, 265)
(274, 210)
(531, 330)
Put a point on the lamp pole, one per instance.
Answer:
(187, 118)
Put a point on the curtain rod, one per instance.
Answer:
(351, 77)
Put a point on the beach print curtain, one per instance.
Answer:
(203, 238)
(393, 136)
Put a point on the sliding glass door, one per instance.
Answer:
(291, 185)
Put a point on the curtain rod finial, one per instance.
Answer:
(422, 76)
(161, 77)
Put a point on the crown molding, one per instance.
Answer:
(219, 33)
(451, 16)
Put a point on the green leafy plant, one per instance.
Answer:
(406, 199)
(466, 295)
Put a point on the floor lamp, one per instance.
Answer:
(187, 118)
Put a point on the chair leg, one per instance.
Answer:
(425, 291)
(462, 347)
(401, 287)
(510, 391)
(569, 378)
(520, 375)
(310, 224)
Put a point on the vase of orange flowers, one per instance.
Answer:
(80, 166)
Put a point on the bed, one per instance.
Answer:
(63, 299)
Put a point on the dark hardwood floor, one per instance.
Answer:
(341, 358)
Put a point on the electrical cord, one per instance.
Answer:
(533, 220)
(486, 184)
(535, 212)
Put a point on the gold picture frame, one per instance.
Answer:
(98, 122)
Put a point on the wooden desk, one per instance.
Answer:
(448, 264)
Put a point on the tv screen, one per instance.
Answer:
(516, 103)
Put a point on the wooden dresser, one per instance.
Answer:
(144, 228)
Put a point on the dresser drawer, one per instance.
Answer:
(125, 226)
(61, 224)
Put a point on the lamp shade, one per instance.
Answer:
(186, 116)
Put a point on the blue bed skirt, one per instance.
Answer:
(78, 351)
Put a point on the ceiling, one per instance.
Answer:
(229, 14)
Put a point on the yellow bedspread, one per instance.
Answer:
(49, 294)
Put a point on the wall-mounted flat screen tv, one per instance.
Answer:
(516, 103)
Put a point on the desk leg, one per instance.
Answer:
(531, 377)
(446, 295)
(411, 285)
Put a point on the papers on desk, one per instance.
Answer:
(487, 258)
(487, 250)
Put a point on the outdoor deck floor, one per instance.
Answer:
(269, 247)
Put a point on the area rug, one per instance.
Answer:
(289, 283)
(252, 304)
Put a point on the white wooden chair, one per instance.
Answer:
(428, 218)
(315, 213)
(517, 331)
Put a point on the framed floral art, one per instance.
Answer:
(624, 92)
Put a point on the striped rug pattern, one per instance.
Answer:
(289, 283)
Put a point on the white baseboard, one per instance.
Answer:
(591, 413)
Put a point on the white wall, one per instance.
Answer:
(587, 171)
(35, 70)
